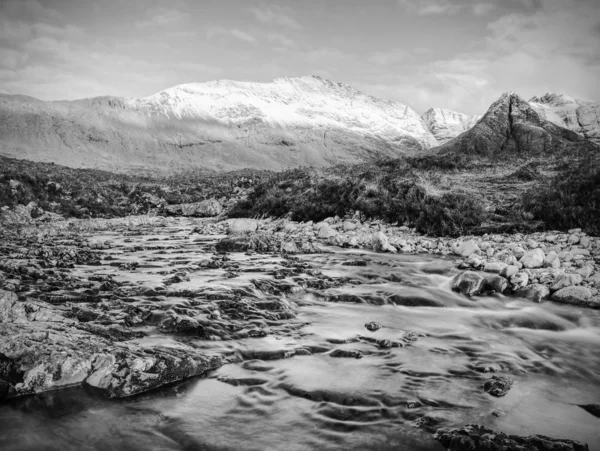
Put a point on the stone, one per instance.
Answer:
(204, 209)
(533, 258)
(289, 247)
(566, 280)
(496, 284)
(518, 252)
(465, 248)
(572, 295)
(584, 241)
(585, 271)
(509, 271)
(474, 261)
(573, 239)
(498, 385)
(519, 280)
(535, 293)
(468, 283)
(373, 326)
(347, 226)
(238, 226)
(475, 437)
(381, 243)
(495, 267)
(551, 260)
(326, 232)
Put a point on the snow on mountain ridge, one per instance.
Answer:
(581, 116)
(447, 124)
(289, 102)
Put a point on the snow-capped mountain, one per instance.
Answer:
(216, 125)
(446, 124)
(580, 116)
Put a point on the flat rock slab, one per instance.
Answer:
(474, 437)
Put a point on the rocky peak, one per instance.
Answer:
(512, 126)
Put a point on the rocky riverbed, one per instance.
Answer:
(367, 335)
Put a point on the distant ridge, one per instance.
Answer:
(219, 125)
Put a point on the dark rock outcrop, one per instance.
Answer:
(474, 437)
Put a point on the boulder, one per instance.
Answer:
(326, 232)
(496, 267)
(509, 271)
(237, 226)
(204, 209)
(495, 284)
(566, 280)
(572, 295)
(468, 283)
(535, 293)
(533, 258)
(465, 248)
(551, 260)
(519, 280)
(347, 226)
(381, 243)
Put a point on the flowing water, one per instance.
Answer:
(448, 347)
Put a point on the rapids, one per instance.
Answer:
(447, 347)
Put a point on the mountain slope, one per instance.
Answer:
(512, 128)
(580, 116)
(446, 124)
(220, 125)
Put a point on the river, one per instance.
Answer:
(442, 348)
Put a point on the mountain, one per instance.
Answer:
(513, 128)
(446, 124)
(220, 125)
(580, 116)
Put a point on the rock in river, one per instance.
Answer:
(475, 437)
(468, 283)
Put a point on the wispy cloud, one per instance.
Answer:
(275, 14)
(162, 16)
(231, 32)
(446, 7)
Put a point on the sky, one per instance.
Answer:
(456, 54)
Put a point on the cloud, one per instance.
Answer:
(390, 58)
(280, 39)
(446, 7)
(231, 32)
(162, 16)
(275, 14)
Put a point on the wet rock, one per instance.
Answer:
(130, 370)
(533, 258)
(373, 326)
(468, 283)
(498, 385)
(346, 353)
(573, 295)
(495, 284)
(535, 293)
(474, 437)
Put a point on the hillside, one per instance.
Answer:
(446, 124)
(221, 125)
